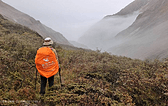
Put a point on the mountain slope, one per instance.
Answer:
(138, 31)
(23, 19)
(147, 36)
(101, 35)
(89, 78)
(76, 44)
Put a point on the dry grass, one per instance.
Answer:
(89, 78)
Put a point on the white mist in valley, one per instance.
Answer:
(102, 34)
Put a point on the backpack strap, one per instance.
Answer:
(55, 53)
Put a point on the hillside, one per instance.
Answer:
(101, 35)
(147, 36)
(21, 18)
(137, 31)
(89, 77)
(76, 44)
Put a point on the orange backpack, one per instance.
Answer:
(46, 62)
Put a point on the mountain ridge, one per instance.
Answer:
(136, 5)
(16, 16)
(143, 38)
(105, 30)
(150, 24)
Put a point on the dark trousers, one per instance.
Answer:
(44, 81)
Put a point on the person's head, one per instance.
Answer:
(47, 41)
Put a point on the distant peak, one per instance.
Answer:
(131, 8)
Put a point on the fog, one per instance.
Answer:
(69, 17)
(144, 43)
(102, 34)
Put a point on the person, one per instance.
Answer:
(48, 69)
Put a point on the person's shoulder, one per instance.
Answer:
(39, 48)
(52, 48)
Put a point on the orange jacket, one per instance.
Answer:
(46, 62)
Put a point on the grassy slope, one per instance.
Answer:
(89, 77)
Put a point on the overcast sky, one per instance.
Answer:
(69, 17)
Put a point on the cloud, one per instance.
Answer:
(102, 34)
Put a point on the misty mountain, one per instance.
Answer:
(131, 8)
(138, 31)
(101, 35)
(147, 36)
(18, 17)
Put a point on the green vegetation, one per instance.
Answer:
(89, 78)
